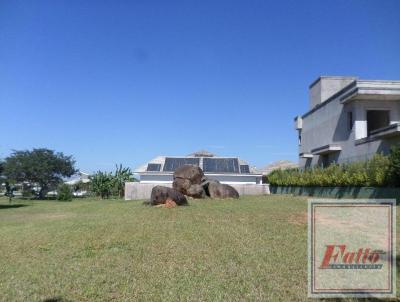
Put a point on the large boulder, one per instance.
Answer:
(196, 191)
(160, 195)
(188, 180)
(218, 190)
(193, 173)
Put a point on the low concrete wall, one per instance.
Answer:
(251, 189)
(339, 192)
(137, 190)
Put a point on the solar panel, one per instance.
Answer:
(153, 167)
(171, 163)
(221, 165)
(244, 169)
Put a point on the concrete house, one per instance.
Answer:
(348, 120)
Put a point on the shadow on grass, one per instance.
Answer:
(55, 299)
(367, 299)
(12, 206)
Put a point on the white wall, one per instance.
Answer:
(228, 179)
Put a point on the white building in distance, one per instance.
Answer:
(228, 170)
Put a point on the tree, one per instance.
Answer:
(101, 183)
(121, 176)
(10, 191)
(43, 167)
(64, 192)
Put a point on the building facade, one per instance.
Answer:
(229, 170)
(348, 120)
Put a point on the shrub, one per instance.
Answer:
(373, 172)
(64, 193)
(105, 184)
(101, 184)
(121, 176)
(394, 166)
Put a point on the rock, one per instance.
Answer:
(218, 190)
(188, 180)
(193, 173)
(191, 181)
(182, 185)
(196, 191)
(160, 194)
(206, 181)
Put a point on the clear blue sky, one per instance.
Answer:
(124, 81)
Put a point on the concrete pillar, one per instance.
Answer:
(360, 121)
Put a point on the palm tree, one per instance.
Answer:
(121, 176)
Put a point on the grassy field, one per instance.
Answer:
(252, 249)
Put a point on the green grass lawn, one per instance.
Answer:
(252, 249)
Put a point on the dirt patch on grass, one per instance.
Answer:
(298, 219)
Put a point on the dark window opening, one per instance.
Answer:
(325, 160)
(244, 169)
(172, 163)
(153, 167)
(220, 165)
(377, 119)
(350, 120)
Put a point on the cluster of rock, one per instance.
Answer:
(190, 181)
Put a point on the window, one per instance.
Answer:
(324, 160)
(244, 169)
(153, 167)
(377, 119)
(350, 120)
(173, 163)
(220, 165)
(299, 137)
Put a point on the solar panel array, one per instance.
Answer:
(221, 165)
(153, 167)
(172, 163)
(244, 169)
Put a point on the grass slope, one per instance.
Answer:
(251, 249)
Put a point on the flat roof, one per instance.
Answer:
(386, 87)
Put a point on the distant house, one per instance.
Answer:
(79, 178)
(229, 170)
(278, 165)
(349, 120)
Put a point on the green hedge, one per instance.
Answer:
(379, 171)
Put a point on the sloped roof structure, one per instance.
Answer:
(207, 161)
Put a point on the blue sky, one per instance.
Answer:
(124, 81)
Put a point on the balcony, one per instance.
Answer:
(306, 155)
(388, 131)
(327, 149)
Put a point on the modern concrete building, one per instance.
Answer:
(228, 170)
(349, 120)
